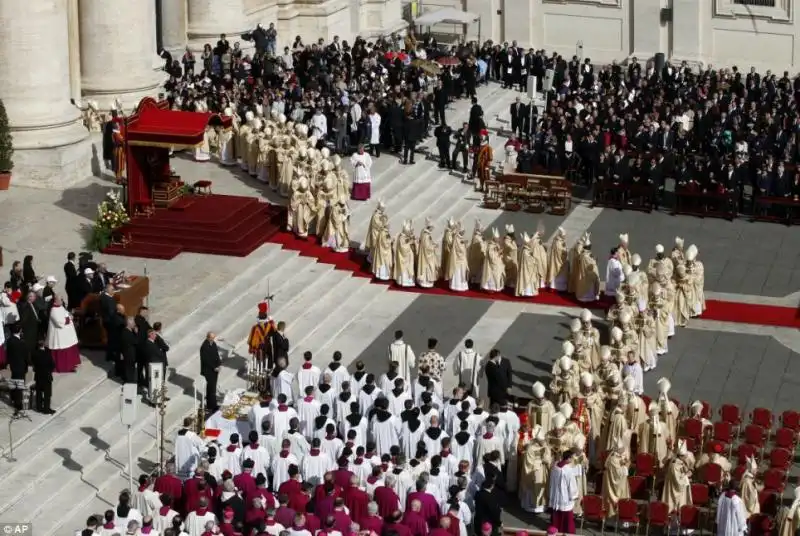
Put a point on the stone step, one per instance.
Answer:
(363, 295)
(363, 328)
(94, 473)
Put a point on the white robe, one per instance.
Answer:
(231, 459)
(386, 433)
(362, 163)
(258, 413)
(195, 525)
(282, 384)
(188, 449)
(146, 501)
(307, 411)
(308, 377)
(434, 446)
(260, 458)
(403, 482)
(280, 469)
(409, 439)
(300, 446)
(314, 467)
(731, 516)
(367, 400)
(338, 377)
(280, 420)
(333, 446)
(163, 522)
(563, 487)
(362, 429)
(614, 276)
(486, 445)
(402, 353)
(61, 330)
(468, 367)
(397, 402)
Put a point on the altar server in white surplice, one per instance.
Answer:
(196, 522)
(402, 353)
(231, 456)
(280, 417)
(308, 409)
(308, 374)
(615, 275)
(258, 453)
(316, 463)
(489, 442)
(731, 514)
(188, 449)
(385, 428)
(281, 463)
(412, 433)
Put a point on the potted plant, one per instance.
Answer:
(6, 149)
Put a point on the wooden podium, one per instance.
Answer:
(92, 332)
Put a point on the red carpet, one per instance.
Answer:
(354, 262)
(214, 224)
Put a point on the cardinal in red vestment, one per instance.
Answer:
(356, 501)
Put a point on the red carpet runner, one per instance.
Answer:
(723, 311)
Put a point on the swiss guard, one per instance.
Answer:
(260, 336)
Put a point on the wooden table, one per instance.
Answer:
(88, 319)
(533, 193)
(766, 209)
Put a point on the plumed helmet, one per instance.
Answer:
(605, 352)
(575, 325)
(586, 315)
(568, 348)
(623, 238)
(664, 385)
(659, 249)
(616, 334)
(587, 380)
(691, 253)
(629, 383)
(538, 390)
(636, 260)
(625, 317)
(326, 153)
(558, 421)
(564, 363)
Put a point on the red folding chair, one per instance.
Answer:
(762, 417)
(768, 502)
(780, 458)
(761, 525)
(627, 512)
(692, 444)
(774, 480)
(731, 413)
(678, 405)
(707, 413)
(785, 438)
(791, 419)
(657, 516)
(638, 488)
(738, 473)
(645, 464)
(756, 436)
(712, 474)
(646, 399)
(689, 518)
(723, 432)
(693, 428)
(745, 451)
(700, 495)
(593, 511)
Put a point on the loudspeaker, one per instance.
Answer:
(531, 95)
(660, 61)
(547, 84)
(128, 402)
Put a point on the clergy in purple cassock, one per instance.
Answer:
(356, 500)
(414, 520)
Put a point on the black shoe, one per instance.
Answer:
(412, 162)
(49, 411)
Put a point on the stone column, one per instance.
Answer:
(73, 27)
(647, 30)
(209, 18)
(173, 26)
(117, 50)
(52, 148)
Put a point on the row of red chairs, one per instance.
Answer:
(657, 514)
(725, 434)
(733, 414)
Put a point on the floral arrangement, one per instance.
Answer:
(111, 215)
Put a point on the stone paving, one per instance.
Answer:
(81, 450)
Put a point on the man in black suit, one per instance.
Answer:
(102, 277)
(114, 325)
(71, 280)
(43, 367)
(210, 363)
(152, 353)
(488, 509)
(278, 347)
(518, 111)
(17, 355)
(84, 286)
(129, 341)
(30, 320)
(142, 330)
(498, 378)
(108, 305)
